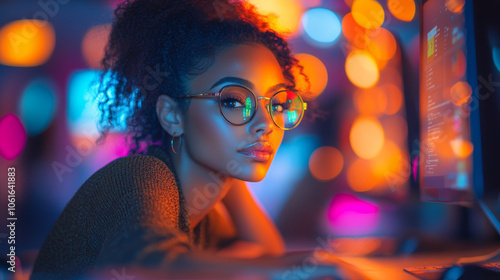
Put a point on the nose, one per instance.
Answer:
(262, 122)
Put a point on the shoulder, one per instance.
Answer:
(137, 181)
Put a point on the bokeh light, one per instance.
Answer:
(38, 106)
(371, 101)
(321, 25)
(460, 93)
(458, 64)
(368, 13)
(26, 43)
(361, 69)
(496, 57)
(461, 147)
(316, 72)
(382, 43)
(286, 14)
(388, 165)
(402, 9)
(455, 6)
(13, 145)
(326, 163)
(94, 43)
(366, 137)
(354, 32)
(351, 216)
(82, 107)
(394, 98)
(360, 176)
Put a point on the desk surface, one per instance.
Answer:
(392, 267)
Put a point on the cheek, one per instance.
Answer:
(209, 138)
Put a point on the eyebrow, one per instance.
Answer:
(246, 83)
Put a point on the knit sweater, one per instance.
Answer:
(128, 212)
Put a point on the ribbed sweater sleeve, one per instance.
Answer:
(125, 213)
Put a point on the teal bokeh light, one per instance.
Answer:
(38, 106)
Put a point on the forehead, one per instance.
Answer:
(252, 62)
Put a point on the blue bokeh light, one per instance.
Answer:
(496, 57)
(322, 25)
(37, 106)
(83, 112)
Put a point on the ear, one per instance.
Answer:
(169, 116)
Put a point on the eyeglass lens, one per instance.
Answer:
(238, 106)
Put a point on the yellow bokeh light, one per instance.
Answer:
(360, 176)
(326, 163)
(461, 148)
(94, 43)
(394, 98)
(286, 14)
(382, 44)
(361, 69)
(371, 101)
(26, 43)
(366, 137)
(460, 93)
(402, 9)
(368, 13)
(315, 71)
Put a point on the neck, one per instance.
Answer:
(202, 187)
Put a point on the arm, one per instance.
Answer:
(257, 233)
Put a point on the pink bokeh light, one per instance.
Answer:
(349, 215)
(13, 137)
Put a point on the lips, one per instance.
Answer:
(258, 151)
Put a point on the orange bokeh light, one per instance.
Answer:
(455, 6)
(461, 148)
(460, 93)
(326, 163)
(94, 43)
(26, 43)
(387, 165)
(371, 101)
(368, 13)
(285, 15)
(360, 176)
(366, 137)
(316, 72)
(354, 32)
(382, 44)
(361, 69)
(394, 98)
(402, 9)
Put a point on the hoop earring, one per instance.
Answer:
(172, 142)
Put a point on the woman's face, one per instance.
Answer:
(245, 151)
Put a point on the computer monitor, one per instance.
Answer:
(460, 101)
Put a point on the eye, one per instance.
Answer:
(233, 101)
(280, 106)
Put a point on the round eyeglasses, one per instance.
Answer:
(238, 105)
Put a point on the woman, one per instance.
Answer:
(209, 92)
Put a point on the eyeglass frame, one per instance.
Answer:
(217, 94)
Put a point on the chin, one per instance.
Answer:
(255, 174)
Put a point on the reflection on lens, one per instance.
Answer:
(237, 104)
(286, 109)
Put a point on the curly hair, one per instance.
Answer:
(156, 45)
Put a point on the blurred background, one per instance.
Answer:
(347, 180)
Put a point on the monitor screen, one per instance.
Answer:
(459, 119)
